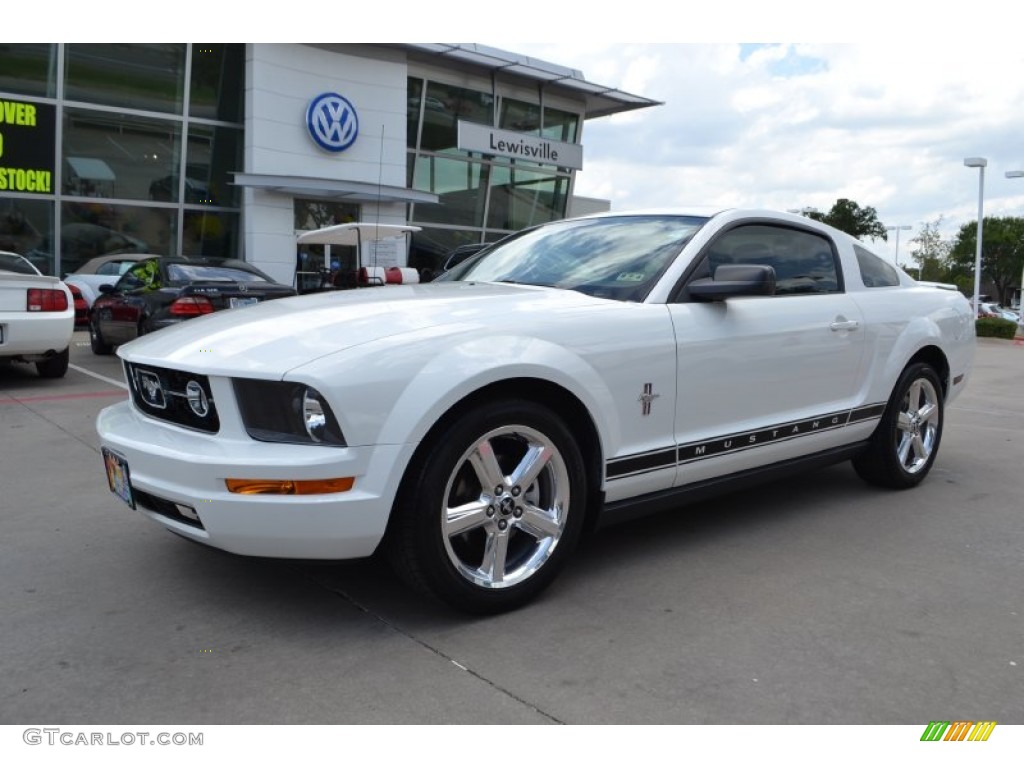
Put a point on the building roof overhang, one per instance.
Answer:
(333, 189)
(600, 100)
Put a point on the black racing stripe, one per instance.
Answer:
(867, 412)
(740, 441)
(648, 462)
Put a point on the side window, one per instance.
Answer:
(144, 275)
(803, 262)
(875, 271)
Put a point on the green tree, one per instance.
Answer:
(931, 252)
(1002, 253)
(849, 217)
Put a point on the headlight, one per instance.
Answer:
(313, 415)
(286, 412)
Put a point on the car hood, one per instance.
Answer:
(274, 337)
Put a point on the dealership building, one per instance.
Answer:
(234, 150)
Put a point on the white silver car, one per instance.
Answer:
(37, 317)
(576, 374)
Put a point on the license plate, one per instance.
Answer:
(234, 303)
(118, 477)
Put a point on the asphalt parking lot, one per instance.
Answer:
(819, 600)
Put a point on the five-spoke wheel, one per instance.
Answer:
(493, 507)
(903, 447)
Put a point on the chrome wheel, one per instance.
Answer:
(903, 448)
(917, 426)
(505, 506)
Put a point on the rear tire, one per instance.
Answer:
(902, 449)
(54, 367)
(493, 508)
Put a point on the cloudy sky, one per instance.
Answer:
(883, 113)
(885, 123)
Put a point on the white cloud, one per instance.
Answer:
(885, 123)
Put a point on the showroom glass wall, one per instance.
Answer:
(119, 148)
(482, 197)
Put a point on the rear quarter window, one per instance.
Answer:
(875, 272)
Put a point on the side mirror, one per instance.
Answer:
(106, 288)
(735, 280)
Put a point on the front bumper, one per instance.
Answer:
(177, 466)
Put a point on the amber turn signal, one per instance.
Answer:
(290, 487)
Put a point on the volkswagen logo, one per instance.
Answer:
(332, 122)
(150, 389)
(197, 399)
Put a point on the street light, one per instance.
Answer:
(1020, 300)
(896, 258)
(979, 163)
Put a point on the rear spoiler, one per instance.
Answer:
(943, 286)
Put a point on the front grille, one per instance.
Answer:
(180, 512)
(179, 397)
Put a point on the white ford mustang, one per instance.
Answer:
(37, 317)
(576, 373)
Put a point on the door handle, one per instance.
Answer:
(844, 325)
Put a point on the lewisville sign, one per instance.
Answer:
(27, 133)
(521, 146)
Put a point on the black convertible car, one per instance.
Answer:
(163, 291)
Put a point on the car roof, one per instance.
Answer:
(90, 266)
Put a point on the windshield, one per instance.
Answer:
(616, 257)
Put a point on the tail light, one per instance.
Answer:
(190, 306)
(46, 300)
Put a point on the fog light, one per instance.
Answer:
(290, 487)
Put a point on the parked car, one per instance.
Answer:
(160, 292)
(102, 270)
(80, 304)
(37, 317)
(576, 374)
(991, 309)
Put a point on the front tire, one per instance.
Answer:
(96, 340)
(903, 448)
(492, 509)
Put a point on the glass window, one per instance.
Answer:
(218, 79)
(458, 184)
(560, 125)
(114, 267)
(26, 227)
(214, 154)
(187, 273)
(29, 68)
(147, 77)
(803, 262)
(317, 214)
(521, 198)
(415, 97)
(96, 229)
(444, 106)
(208, 233)
(875, 271)
(117, 155)
(431, 246)
(618, 257)
(520, 116)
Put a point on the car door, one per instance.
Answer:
(764, 379)
(118, 312)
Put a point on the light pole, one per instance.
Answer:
(896, 258)
(1020, 299)
(979, 163)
